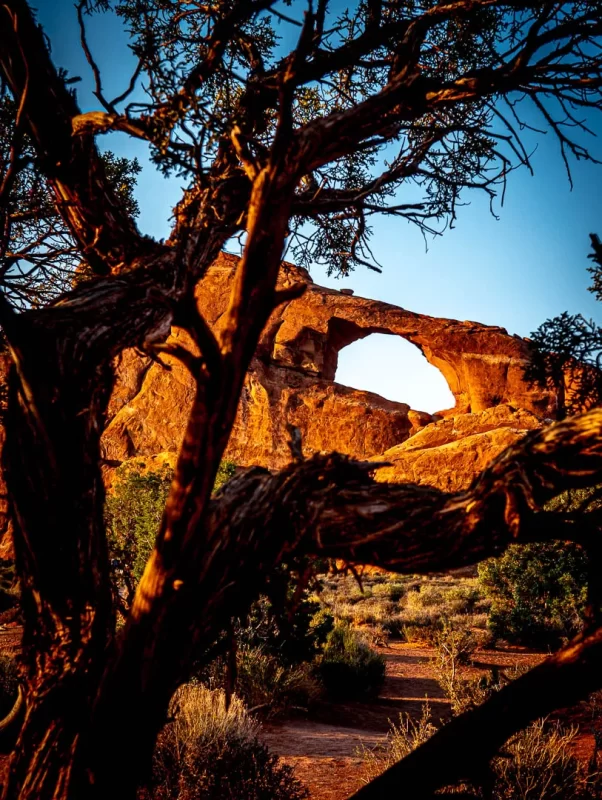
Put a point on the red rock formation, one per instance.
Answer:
(292, 381)
(448, 454)
(292, 378)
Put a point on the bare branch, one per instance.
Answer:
(107, 236)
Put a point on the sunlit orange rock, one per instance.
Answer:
(291, 380)
(448, 454)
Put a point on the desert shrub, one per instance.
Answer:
(537, 592)
(426, 596)
(454, 645)
(377, 635)
(275, 648)
(9, 592)
(210, 751)
(133, 513)
(294, 632)
(535, 764)
(452, 597)
(393, 590)
(409, 607)
(463, 598)
(539, 763)
(453, 649)
(9, 684)
(349, 667)
(268, 686)
(225, 471)
(402, 739)
(418, 633)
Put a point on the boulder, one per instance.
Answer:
(450, 453)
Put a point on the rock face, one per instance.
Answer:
(292, 381)
(448, 454)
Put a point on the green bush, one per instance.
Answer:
(393, 590)
(133, 513)
(294, 634)
(9, 586)
(537, 592)
(224, 472)
(210, 751)
(349, 666)
(275, 649)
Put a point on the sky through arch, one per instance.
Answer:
(395, 369)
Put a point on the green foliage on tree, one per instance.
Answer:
(39, 257)
(566, 352)
(537, 592)
(133, 513)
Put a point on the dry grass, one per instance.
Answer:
(210, 751)
(403, 738)
(410, 607)
(535, 764)
(271, 688)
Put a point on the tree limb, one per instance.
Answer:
(463, 747)
(107, 236)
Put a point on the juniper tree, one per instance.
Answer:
(386, 107)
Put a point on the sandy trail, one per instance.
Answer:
(324, 750)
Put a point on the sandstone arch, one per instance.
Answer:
(292, 378)
(482, 364)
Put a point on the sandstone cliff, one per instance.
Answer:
(292, 380)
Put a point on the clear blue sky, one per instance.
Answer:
(516, 271)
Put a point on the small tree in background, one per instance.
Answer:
(566, 354)
(133, 514)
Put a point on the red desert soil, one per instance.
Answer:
(323, 749)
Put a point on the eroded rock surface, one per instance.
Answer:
(448, 454)
(292, 379)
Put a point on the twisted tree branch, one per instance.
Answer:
(106, 234)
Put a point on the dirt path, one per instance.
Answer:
(323, 750)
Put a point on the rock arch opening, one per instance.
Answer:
(395, 369)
